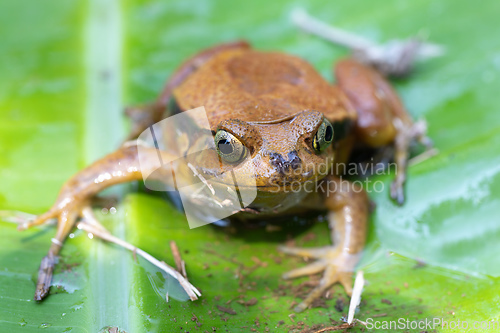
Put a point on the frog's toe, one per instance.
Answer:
(337, 267)
(315, 252)
(418, 132)
(331, 276)
(39, 220)
(314, 268)
(397, 191)
(345, 279)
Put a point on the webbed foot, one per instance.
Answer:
(66, 216)
(336, 265)
(406, 134)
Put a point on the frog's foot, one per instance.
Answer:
(336, 265)
(406, 134)
(418, 133)
(66, 219)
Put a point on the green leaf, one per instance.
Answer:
(68, 68)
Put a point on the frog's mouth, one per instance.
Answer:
(271, 199)
(281, 182)
(283, 186)
(273, 203)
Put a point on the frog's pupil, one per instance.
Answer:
(225, 146)
(329, 134)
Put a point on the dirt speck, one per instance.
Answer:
(339, 304)
(386, 301)
(250, 302)
(309, 237)
(226, 310)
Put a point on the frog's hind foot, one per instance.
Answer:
(406, 134)
(45, 272)
(336, 265)
(419, 134)
(66, 219)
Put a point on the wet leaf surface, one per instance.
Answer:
(64, 82)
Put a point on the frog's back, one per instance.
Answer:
(255, 86)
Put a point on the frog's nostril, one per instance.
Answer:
(294, 159)
(283, 165)
(277, 160)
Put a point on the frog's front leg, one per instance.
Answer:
(382, 118)
(348, 207)
(118, 167)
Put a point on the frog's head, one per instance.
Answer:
(282, 153)
(279, 158)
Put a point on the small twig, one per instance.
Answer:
(184, 284)
(359, 282)
(180, 264)
(177, 256)
(335, 328)
(91, 220)
(362, 322)
(91, 224)
(183, 269)
(189, 288)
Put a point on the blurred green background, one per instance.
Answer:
(67, 69)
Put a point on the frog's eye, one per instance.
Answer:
(230, 149)
(324, 136)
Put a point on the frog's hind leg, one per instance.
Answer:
(382, 118)
(75, 197)
(348, 207)
(146, 115)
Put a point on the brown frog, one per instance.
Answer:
(283, 126)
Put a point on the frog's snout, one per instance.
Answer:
(283, 165)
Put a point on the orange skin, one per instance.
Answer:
(273, 103)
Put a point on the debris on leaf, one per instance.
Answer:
(226, 310)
